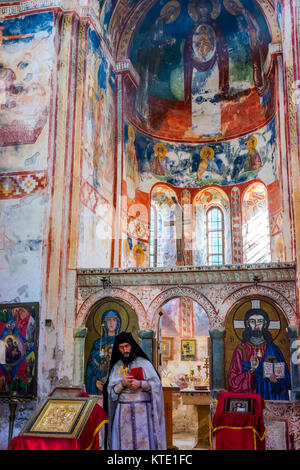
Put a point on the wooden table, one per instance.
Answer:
(168, 406)
(201, 400)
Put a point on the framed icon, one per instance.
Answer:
(188, 349)
(58, 417)
(167, 348)
(238, 405)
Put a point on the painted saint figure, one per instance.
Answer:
(156, 166)
(133, 399)
(98, 362)
(253, 162)
(132, 167)
(206, 154)
(257, 364)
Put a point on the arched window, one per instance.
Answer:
(255, 230)
(212, 236)
(215, 236)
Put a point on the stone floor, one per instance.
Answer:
(185, 442)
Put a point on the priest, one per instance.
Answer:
(133, 399)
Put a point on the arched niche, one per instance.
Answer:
(165, 227)
(255, 224)
(106, 319)
(234, 327)
(185, 342)
(89, 330)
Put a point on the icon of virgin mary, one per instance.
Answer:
(99, 358)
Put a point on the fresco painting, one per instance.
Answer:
(98, 157)
(223, 163)
(201, 71)
(26, 57)
(21, 236)
(18, 332)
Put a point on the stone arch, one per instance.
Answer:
(282, 302)
(116, 293)
(180, 291)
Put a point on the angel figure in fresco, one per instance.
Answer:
(235, 7)
(253, 161)
(149, 60)
(132, 167)
(156, 166)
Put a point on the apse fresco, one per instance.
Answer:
(26, 64)
(187, 165)
(202, 71)
(98, 156)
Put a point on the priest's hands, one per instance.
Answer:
(130, 382)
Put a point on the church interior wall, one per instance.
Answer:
(61, 189)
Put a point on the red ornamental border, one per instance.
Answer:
(19, 185)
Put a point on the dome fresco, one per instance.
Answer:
(203, 67)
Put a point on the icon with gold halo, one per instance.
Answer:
(206, 154)
(251, 143)
(171, 10)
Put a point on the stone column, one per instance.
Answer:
(147, 342)
(78, 372)
(218, 374)
(292, 332)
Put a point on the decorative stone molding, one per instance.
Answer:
(289, 412)
(288, 309)
(111, 293)
(216, 289)
(182, 291)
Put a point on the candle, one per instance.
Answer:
(190, 367)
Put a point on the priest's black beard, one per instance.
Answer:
(129, 359)
(257, 334)
(265, 334)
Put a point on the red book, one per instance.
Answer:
(137, 373)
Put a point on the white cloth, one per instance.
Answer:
(129, 411)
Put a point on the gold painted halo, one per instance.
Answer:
(174, 15)
(229, 8)
(7, 337)
(131, 132)
(252, 139)
(214, 14)
(97, 317)
(205, 149)
(158, 146)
